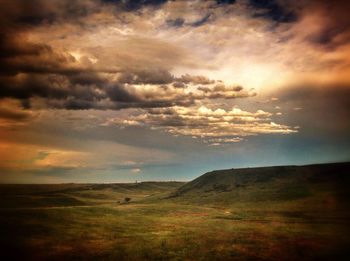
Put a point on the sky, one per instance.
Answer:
(153, 90)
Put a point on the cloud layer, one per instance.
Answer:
(214, 126)
(124, 75)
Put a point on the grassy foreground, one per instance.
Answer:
(88, 222)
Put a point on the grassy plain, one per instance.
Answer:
(255, 218)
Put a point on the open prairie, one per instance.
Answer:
(277, 213)
(95, 94)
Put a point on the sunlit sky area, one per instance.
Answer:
(118, 91)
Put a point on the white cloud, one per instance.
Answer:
(212, 125)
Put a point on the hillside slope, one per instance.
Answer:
(321, 183)
(48, 195)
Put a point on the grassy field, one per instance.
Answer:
(254, 214)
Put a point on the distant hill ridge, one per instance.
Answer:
(268, 183)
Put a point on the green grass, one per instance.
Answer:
(170, 232)
(265, 218)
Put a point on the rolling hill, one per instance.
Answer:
(269, 213)
(49, 195)
(322, 184)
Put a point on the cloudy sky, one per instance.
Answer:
(118, 91)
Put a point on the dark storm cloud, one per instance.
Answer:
(134, 5)
(30, 69)
(21, 56)
(10, 47)
(18, 17)
(333, 19)
(86, 78)
(31, 13)
(153, 76)
(178, 22)
(17, 52)
(87, 89)
(201, 21)
(230, 2)
(27, 86)
(50, 86)
(119, 93)
(273, 9)
(333, 22)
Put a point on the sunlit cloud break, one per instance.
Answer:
(214, 126)
(232, 81)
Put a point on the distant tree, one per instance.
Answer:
(127, 199)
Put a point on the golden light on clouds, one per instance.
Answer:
(216, 72)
